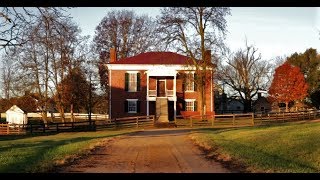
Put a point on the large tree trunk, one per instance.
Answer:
(247, 106)
(287, 105)
(61, 111)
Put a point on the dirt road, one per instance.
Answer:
(149, 151)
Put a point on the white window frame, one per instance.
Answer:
(188, 101)
(134, 101)
(130, 73)
(189, 82)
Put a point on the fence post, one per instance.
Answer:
(30, 128)
(233, 119)
(57, 127)
(190, 121)
(72, 125)
(8, 130)
(44, 128)
(116, 123)
(137, 121)
(213, 118)
(252, 118)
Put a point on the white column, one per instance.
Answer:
(147, 94)
(110, 87)
(175, 95)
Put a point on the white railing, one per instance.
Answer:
(153, 93)
(170, 93)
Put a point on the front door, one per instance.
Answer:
(161, 88)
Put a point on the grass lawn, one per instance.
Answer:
(40, 153)
(280, 148)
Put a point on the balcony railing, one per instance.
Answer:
(170, 93)
(153, 93)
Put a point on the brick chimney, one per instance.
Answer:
(207, 56)
(113, 55)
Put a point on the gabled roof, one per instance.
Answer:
(15, 108)
(155, 58)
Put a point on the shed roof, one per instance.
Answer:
(15, 108)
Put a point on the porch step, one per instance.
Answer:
(162, 109)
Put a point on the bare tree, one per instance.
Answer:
(7, 74)
(193, 31)
(13, 22)
(246, 74)
(45, 56)
(129, 33)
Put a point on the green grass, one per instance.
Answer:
(281, 148)
(42, 153)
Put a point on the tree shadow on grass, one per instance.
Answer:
(38, 152)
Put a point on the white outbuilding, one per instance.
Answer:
(15, 115)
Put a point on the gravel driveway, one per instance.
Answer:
(149, 151)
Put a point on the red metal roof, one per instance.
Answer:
(154, 58)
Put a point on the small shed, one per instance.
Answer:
(15, 115)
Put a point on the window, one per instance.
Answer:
(132, 81)
(189, 82)
(191, 105)
(131, 105)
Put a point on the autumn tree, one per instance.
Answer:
(193, 31)
(288, 85)
(74, 89)
(309, 63)
(245, 73)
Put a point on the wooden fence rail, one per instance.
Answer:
(249, 119)
(7, 129)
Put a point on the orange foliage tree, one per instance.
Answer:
(288, 84)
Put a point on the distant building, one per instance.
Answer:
(15, 115)
(261, 104)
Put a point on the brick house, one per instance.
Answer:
(155, 83)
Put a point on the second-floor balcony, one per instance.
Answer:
(166, 93)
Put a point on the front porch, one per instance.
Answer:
(161, 94)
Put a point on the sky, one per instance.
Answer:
(275, 31)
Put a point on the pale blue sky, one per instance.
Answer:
(275, 31)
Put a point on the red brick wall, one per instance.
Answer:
(119, 95)
(169, 83)
(152, 83)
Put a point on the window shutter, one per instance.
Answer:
(138, 106)
(126, 87)
(125, 106)
(138, 82)
(195, 82)
(195, 105)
